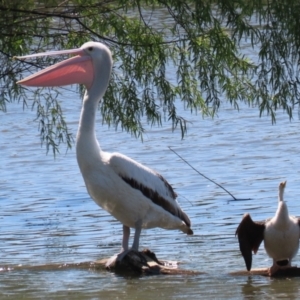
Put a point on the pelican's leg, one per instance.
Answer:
(118, 257)
(135, 245)
(136, 240)
(125, 249)
(125, 241)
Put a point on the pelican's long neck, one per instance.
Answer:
(87, 146)
(282, 214)
(86, 129)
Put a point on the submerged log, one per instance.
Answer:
(287, 272)
(134, 263)
(144, 262)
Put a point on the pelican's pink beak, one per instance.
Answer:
(78, 69)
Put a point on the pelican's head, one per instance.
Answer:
(89, 60)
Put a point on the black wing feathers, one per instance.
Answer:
(250, 235)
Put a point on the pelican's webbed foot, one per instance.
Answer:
(128, 259)
(279, 265)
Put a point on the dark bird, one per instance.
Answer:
(280, 235)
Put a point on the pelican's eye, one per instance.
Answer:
(91, 49)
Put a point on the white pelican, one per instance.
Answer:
(280, 234)
(135, 195)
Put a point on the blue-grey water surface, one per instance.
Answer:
(47, 216)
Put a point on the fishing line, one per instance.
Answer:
(186, 199)
(207, 177)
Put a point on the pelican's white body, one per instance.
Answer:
(126, 204)
(282, 233)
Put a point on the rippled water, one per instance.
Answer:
(47, 216)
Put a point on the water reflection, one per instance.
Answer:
(271, 288)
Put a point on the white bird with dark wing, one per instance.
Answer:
(280, 235)
(135, 195)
